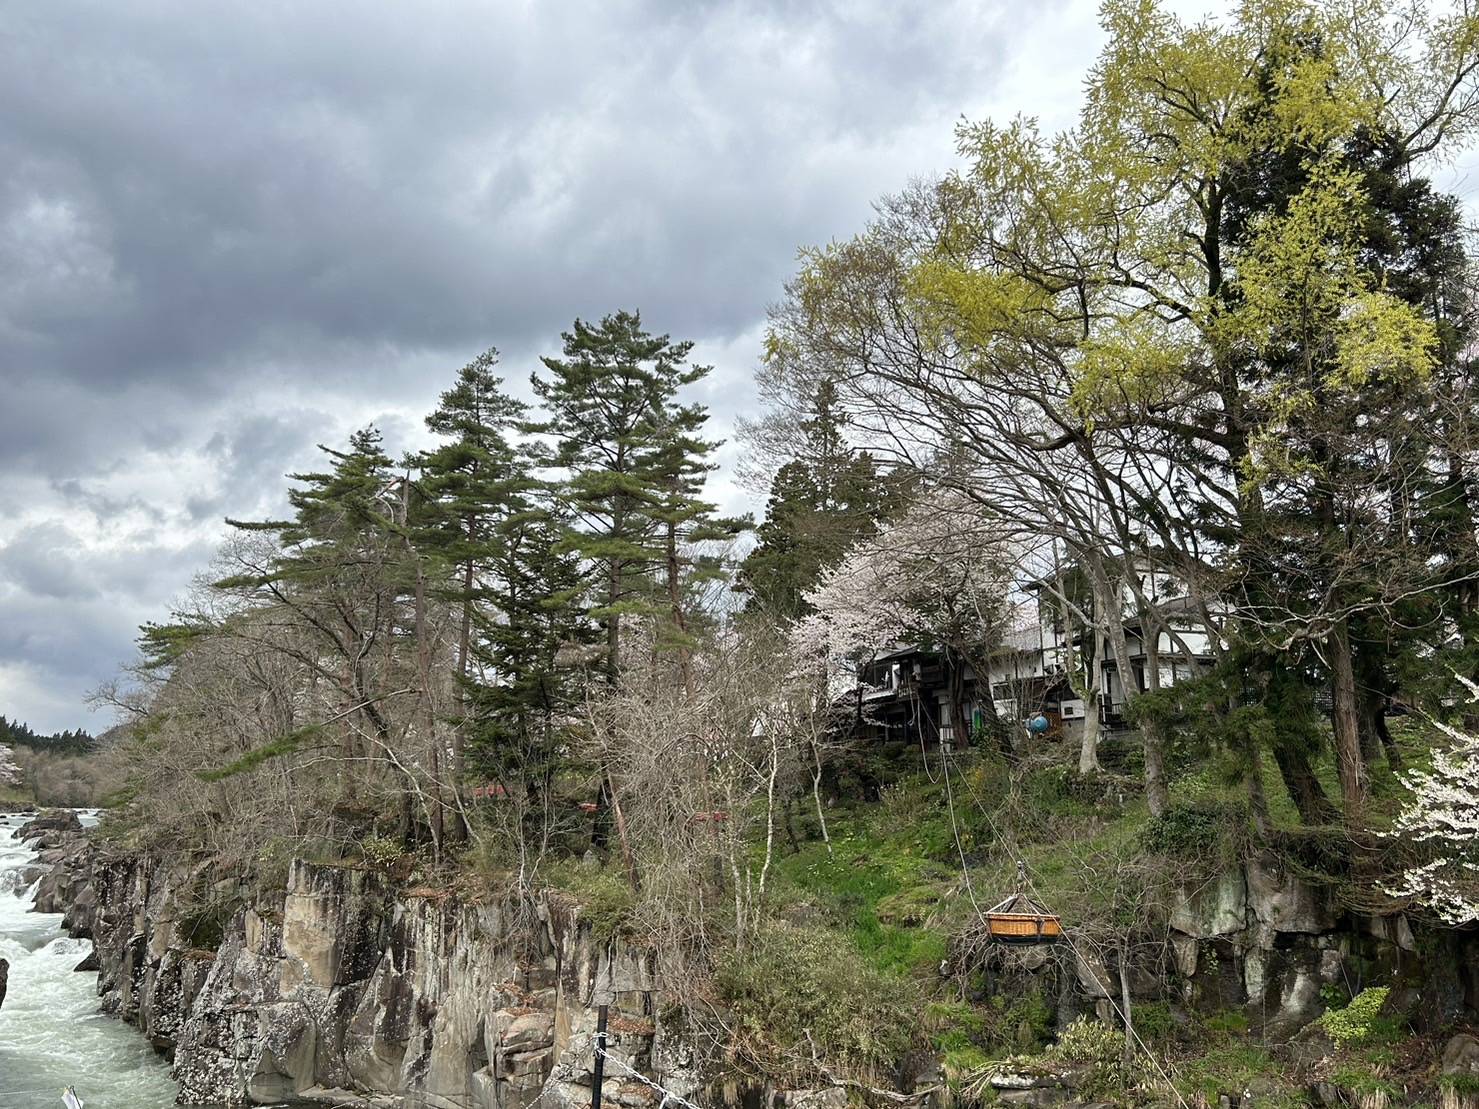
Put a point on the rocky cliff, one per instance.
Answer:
(340, 988)
(11, 774)
(344, 987)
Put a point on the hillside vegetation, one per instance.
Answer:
(1169, 417)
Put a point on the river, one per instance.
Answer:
(51, 1033)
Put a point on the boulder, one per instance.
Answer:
(830, 1097)
(1283, 903)
(4, 976)
(1218, 908)
(51, 820)
(1461, 1055)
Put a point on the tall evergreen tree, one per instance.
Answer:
(472, 481)
(629, 457)
(821, 504)
(685, 520)
(484, 515)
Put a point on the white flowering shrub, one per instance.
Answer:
(1443, 813)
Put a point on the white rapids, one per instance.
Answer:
(51, 1032)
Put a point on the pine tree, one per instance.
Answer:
(821, 504)
(529, 645)
(488, 521)
(686, 521)
(336, 585)
(628, 458)
(471, 483)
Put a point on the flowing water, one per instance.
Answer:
(51, 1033)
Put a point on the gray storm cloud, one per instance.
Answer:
(228, 232)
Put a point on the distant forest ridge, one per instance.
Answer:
(16, 734)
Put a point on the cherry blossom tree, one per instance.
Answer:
(1443, 813)
(940, 576)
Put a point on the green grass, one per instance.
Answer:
(1233, 1066)
(893, 900)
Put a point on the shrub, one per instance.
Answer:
(1358, 1022)
(380, 852)
(204, 925)
(1199, 832)
(606, 898)
(794, 982)
(1094, 1046)
(1153, 1022)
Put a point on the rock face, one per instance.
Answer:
(1261, 938)
(10, 772)
(4, 977)
(344, 986)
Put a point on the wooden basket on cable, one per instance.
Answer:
(1019, 919)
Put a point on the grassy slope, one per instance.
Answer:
(902, 877)
(893, 885)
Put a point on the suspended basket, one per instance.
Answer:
(1019, 919)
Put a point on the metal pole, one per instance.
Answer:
(600, 1069)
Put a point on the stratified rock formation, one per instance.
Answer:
(343, 986)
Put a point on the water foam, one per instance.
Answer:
(51, 1033)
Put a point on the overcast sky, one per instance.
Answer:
(231, 231)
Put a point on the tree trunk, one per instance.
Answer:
(959, 725)
(1370, 741)
(1347, 721)
(675, 604)
(1088, 749)
(427, 715)
(1125, 1004)
(1305, 790)
(613, 622)
(621, 834)
(1157, 794)
(1384, 734)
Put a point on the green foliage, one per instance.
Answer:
(630, 460)
(605, 896)
(286, 745)
(203, 924)
(1153, 1022)
(1464, 1085)
(1361, 1080)
(489, 528)
(795, 982)
(1226, 1022)
(1235, 1066)
(13, 733)
(1200, 832)
(1098, 1048)
(1360, 1021)
(821, 503)
(885, 879)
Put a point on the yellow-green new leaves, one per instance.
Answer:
(1130, 362)
(1301, 267)
(1303, 288)
(976, 307)
(1382, 339)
